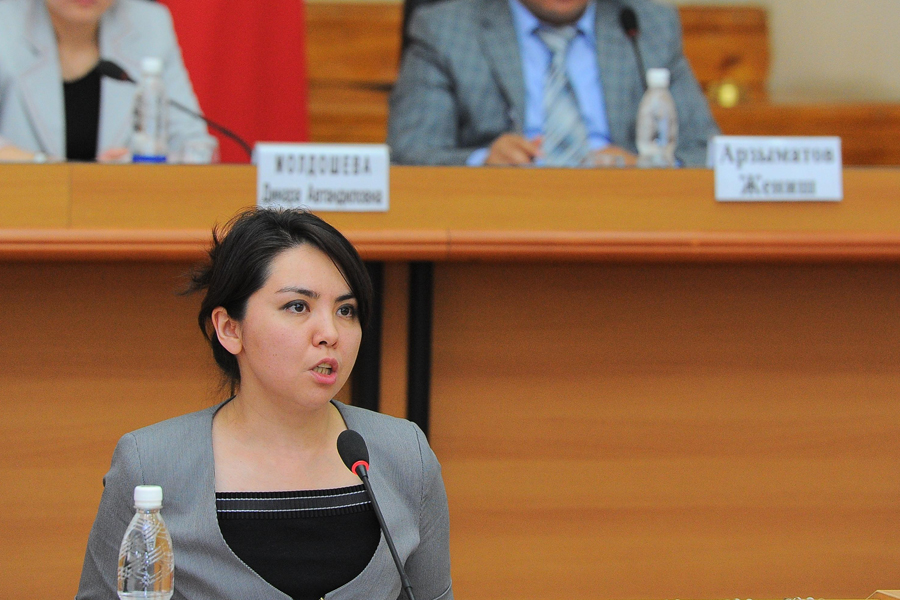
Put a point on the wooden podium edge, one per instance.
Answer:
(435, 245)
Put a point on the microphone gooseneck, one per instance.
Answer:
(352, 448)
(629, 22)
(108, 68)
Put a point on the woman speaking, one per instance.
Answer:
(54, 102)
(257, 499)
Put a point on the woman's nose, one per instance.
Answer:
(326, 333)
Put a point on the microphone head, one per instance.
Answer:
(110, 69)
(629, 21)
(352, 448)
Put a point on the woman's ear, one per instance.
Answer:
(228, 330)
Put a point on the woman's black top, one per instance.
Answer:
(305, 543)
(82, 98)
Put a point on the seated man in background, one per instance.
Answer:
(54, 102)
(471, 88)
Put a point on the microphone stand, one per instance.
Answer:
(112, 70)
(220, 128)
(362, 472)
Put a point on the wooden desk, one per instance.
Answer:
(637, 392)
(77, 212)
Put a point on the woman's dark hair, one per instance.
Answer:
(239, 264)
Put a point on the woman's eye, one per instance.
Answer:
(296, 307)
(348, 310)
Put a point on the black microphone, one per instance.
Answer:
(629, 21)
(352, 448)
(108, 68)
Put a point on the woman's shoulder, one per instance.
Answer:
(388, 438)
(13, 16)
(177, 429)
(364, 420)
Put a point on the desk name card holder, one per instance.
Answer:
(322, 177)
(763, 169)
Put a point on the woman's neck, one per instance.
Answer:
(78, 47)
(256, 450)
(271, 424)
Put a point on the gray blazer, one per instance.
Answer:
(177, 454)
(461, 84)
(32, 113)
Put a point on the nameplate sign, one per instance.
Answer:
(751, 168)
(322, 177)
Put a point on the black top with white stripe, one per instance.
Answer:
(305, 543)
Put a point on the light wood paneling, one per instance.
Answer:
(462, 214)
(89, 352)
(868, 132)
(727, 43)
(668, 431)
(34, 196)
(135, 196)
(358, 42)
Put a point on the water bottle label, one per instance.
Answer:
(140, 158)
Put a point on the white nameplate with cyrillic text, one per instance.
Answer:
(757, 168)
(322, 177)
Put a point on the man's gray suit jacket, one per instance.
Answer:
(177, 454)
(461, 84)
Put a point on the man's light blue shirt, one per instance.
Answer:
(581, 66)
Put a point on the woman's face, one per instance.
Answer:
(78, 12)
(300, 334)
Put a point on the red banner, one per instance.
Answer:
(247, 62)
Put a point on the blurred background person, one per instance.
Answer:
(55, 104)
(471, 85)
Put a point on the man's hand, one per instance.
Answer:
(12, 153)
(113, 155)
(612, 156)
(512, 149)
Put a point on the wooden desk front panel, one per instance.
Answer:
(669, 431)
(89, 352)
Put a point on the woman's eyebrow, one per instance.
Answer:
(314, 295)
(300, 291)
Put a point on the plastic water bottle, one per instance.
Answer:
(146, 562)
(657, 122)
(149, 140)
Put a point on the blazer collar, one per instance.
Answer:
(614, 58)
(497, 36)
(40, 77)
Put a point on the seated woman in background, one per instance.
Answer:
(257, 499)
(53, 101)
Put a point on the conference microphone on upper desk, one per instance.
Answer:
(108, 68)
(352, 448)
(629, 21)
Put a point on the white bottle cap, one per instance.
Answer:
(148, 497)
(151, 65)
(658, 78)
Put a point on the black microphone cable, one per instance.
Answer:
(352, 448)
(629, 22)
(108, 68)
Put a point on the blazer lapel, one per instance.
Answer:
(119, 43)
(42, 91)
(618, 73)
(497, 36)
